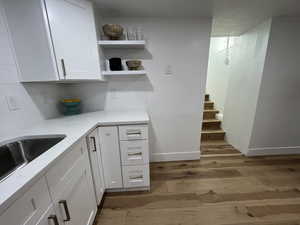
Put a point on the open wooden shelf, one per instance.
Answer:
(122, 44)
(124, 73)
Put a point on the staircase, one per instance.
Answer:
(211, 127)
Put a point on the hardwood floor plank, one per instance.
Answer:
(285, 222)
(193, 199)
(192, 174)
(233, 190)
(267, 210)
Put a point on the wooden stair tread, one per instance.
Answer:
(213, 132)
(211, 126)
(211, 121)
(211, 110)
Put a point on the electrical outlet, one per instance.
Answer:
(12, 103)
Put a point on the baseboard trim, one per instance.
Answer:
(175, 156)
(274, 151)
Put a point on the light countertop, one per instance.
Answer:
(74, 127)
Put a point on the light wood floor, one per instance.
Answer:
(220, 190)
(217, 148)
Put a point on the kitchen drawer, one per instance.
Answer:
(134, 152)
(61, 168)
(136, 176)
(133, 132)
(28, 209)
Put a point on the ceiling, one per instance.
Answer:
(230, 17)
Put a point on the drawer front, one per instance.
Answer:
(133, 132)
(28, 209)
(63, 166)
(134, 152)
(136, 176)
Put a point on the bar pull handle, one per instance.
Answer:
(134, 132)
(54, 219)
(63, 66)
(65, 205)
(136, 177)
(135, 154)
(94, 143)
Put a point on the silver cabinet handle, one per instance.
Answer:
(94, 143)
(134, 132)
(54, 219)
(135, 154)
(65, 205)
(63, 66)
(136, 177)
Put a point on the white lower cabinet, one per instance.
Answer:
(125, 156)
(110, 152)
(28, 209)
(65, 195)
(134, 152)
(111, 157)
(73, 193)
(136, 176)
(96, 164)
(49, 217)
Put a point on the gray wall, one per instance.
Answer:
(246, 69)
(277, 121)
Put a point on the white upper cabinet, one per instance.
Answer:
(74, 38)
(54, 40)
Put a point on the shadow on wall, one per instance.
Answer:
(153, 140)
(130, 83)
(46, 97)
(92, 95)
(142, 54)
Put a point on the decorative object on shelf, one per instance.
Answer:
(113, 31)
(131, 35)
(115, 64)
(134, 33)
(139, 34)
(134, 65)
(71, 106)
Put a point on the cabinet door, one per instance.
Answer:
(111, 159)
(96, 164)
(27, 209)
(76, 201)
(49, 218)
(73, 32)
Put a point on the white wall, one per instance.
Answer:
(219, 72)
(36, 101)
(174, 102)
(247, 63)
(276, 126)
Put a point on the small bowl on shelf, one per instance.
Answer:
(113, 31)
(134, 64)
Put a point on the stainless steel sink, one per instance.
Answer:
(16, 153)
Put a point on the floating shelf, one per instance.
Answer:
(124, 73)
(122, 44)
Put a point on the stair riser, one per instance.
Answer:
(211, 126)
(209, 115)
(206, 97)
(208, 105)
(212, 137)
